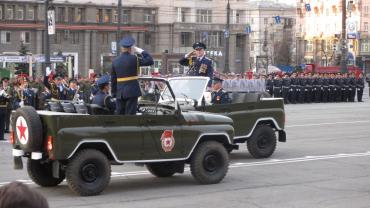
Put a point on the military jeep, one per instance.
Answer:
(81, 147)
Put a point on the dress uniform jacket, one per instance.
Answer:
(360, 84)
(3, 108)
(220, 97)
(125, 69)
(198, 66)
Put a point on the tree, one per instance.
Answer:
(282, 51)
(22, 68)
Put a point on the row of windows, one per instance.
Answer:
(17, 12)
(6, 37)
(111, 16)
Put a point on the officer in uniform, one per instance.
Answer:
(293, 89)
(269, 85)
(332, 88)
(285, 88)
(339, 86)
(72, 92)
(277, 86)
(352, 88)
(56, 87)
(325, 88)
(4, 98)
(29, 97)
(8, 90)
(302, 88)
(308, 88)
(102, 97)
(345, 88)
(360, 84)
(124, 75)
(219, 95)
(316, 88)
(198, 63)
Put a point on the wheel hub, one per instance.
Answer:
(89, 173)
(211, 162)
(263, 142)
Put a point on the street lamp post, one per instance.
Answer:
(47, 40)
(119, 23)
(343, 61)
(227, 38)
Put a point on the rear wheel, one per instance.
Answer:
(42, 173)
(209, 162)
(162, 170)
(262, 144)
(88, 173)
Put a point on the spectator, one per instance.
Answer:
(18, 195)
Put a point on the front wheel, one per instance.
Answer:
(42, 173)
(209, 162)
(88, 173)
(262, 144)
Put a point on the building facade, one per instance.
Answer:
(86, 31)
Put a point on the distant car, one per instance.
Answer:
(82, 145)
(256, 116)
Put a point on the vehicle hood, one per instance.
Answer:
(197, 117)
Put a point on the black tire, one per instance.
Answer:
(42, 174)
(34, 127)
(209, 162)
(88, 172)
(262, 143)
(162, 170)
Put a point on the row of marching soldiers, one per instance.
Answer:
(308, 88)
(22, 91)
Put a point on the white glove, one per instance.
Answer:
(188, 54)
(138, 50)
(48, 71)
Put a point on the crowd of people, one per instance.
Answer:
(308, 88)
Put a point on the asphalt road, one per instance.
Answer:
(325, 163)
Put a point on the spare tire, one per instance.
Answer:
(28, 129)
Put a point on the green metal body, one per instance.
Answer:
(134, 138)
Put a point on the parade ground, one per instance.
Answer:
(324, 163)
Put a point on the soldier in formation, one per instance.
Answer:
(315, 88)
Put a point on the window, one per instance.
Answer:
(239, 43)
(26, 37)
(19, 14)
(99, 16)
(237, 15)
(5, 37)
(31, 13)
(80, 17)
(213, 39)
(58, 37)
(148, 16)
(366, 26)
(181, 15)
(126, 14)
(252, 46)
(365, 46)
(366, 11)
(61, 14)
(108, 16)
(71, 14)
(1, 12)
(204, 16)
(265, 21)
(115, 16)
(10, 12)
(147, 38)
(105, 38)
(309, 46)
(252, 20)
(74, 37)
(185, 39)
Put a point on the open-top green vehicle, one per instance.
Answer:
(82, 147)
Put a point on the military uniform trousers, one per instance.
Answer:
(2, 121)
(351, 93)
(277, 91)
(302, 94)
(292, 95)
(308, 94)
(345, 93)
(332, 93)
(126, 106)
(285, 93)
(338, 93)
(316, 93)
(360, 92)
(325, 94)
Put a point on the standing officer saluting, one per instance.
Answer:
(198, 63)
(219, 95)
(125, 69)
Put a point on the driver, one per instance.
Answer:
(102, 97)
(219, 95)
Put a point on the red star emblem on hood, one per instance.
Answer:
(22, 130)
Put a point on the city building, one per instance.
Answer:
(86, 31)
